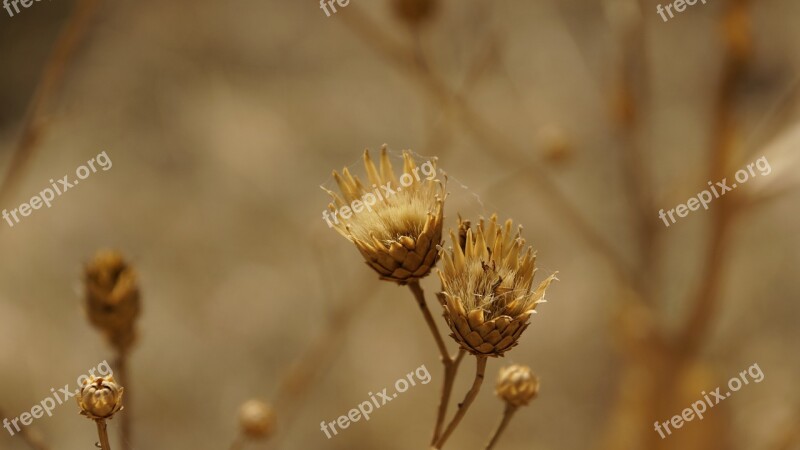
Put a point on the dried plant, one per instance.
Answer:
(487, 278)
(516, 386)
(113, 306)
(257, 421)
(99, 399)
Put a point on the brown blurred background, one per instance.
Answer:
(222, 120)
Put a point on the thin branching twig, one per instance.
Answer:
(508, 413)
(67, 43)
(480, 369)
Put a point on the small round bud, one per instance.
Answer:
(100, 397)
(257, 419)
(555, 146)
(517, 385)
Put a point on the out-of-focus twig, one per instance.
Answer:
(738, 54)
(31, 438)
(629, 106)
(68, 41)
(296, 382)
(456, 107)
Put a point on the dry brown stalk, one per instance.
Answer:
(450, 363)
(52, 76)
(480, 369)
(419, 295)
(508, 413)
(450, 371)
(121, 365)
(103, 434)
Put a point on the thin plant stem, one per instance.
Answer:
(480, 369)
(103, 434)
(508, 413)
(419, 295)
(122, 377)
(450, 370)
(450, 363)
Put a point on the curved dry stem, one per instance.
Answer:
(103, 434)
(450, 370)
(419, 295)
(122, 376)
(480, 369)
(508, 413)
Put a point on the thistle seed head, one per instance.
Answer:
(257, 419)
(100, 397)
(112, 298)
(487, 287)
(398, 223)
(517, 385)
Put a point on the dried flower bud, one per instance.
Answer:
(257, 419)
(517, 385)
(487, 287)
(112, 297)
(100, 397)
(414, 12)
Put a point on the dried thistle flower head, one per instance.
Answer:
(517, 385)
(112, 297)
(487, 287)
(257, 419)
(414, 12)
(396, 225)
(100, 397)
